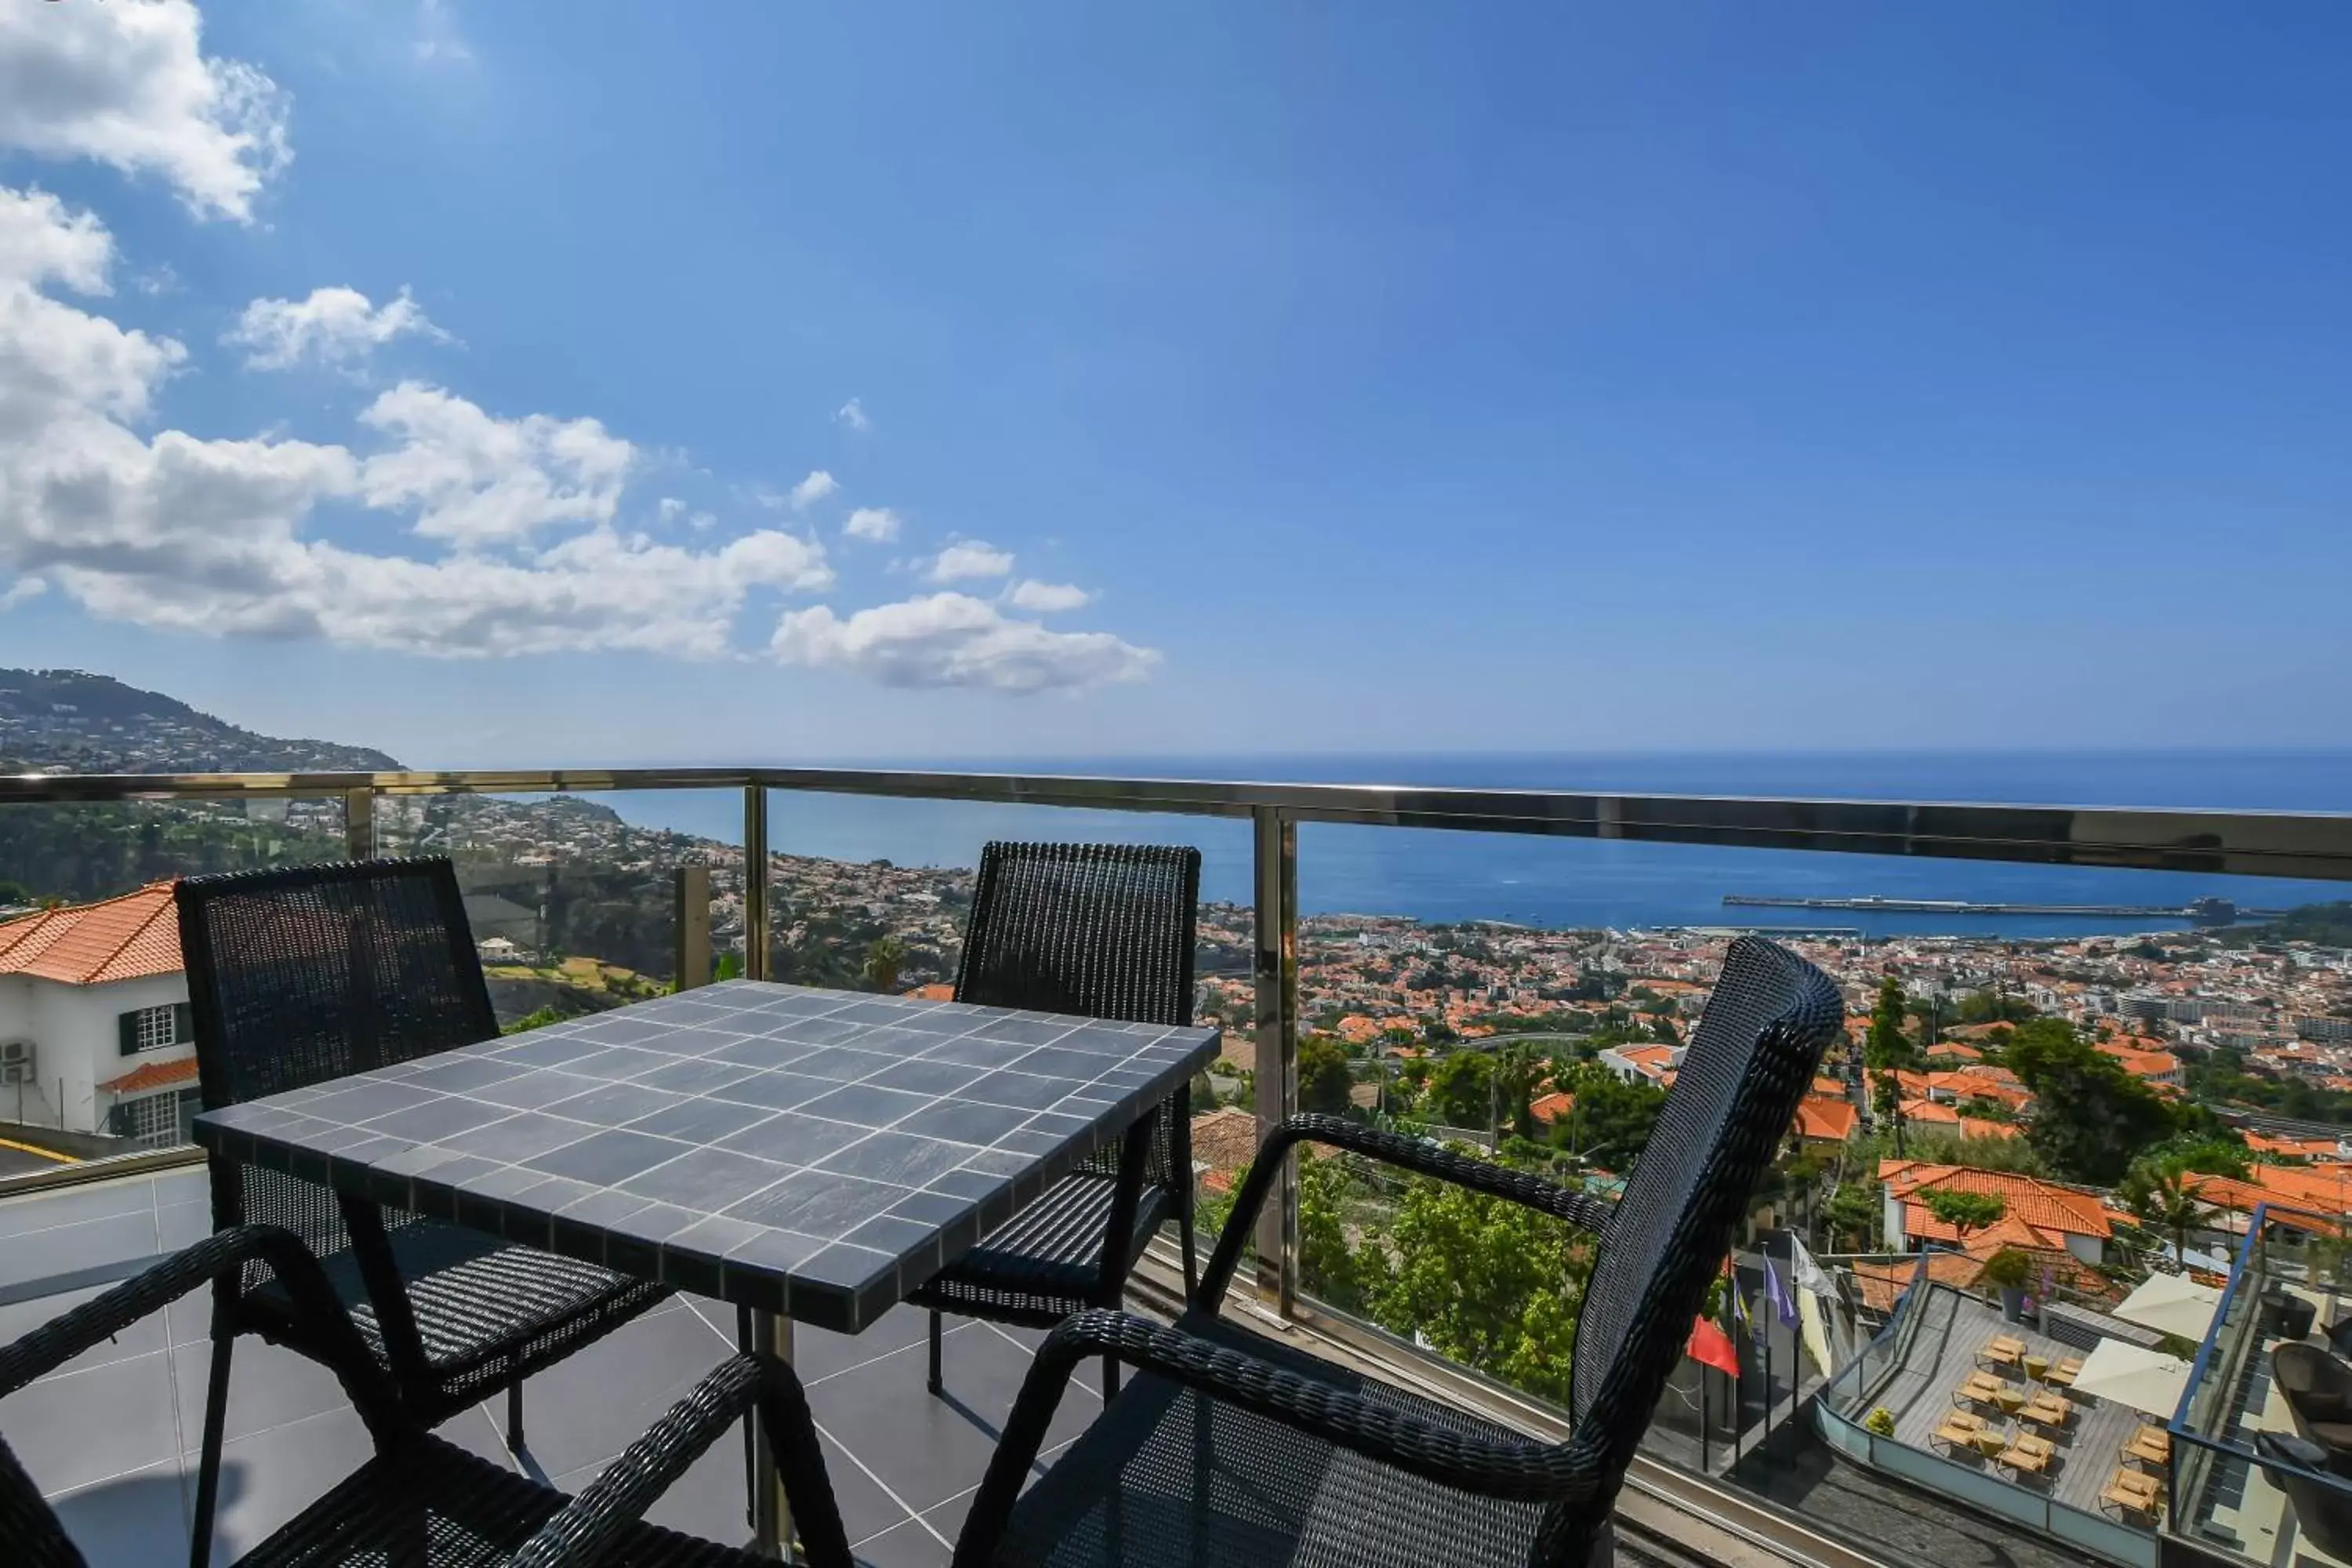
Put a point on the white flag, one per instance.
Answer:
(1807, 1273)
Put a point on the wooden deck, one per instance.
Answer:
(1955, 1330)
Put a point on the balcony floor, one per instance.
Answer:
(111, 1438)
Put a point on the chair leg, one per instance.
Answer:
(200, 1537)
(1185, 1244)
(1110, 1378)
(750, 1458)
(937, 1386)
(514, 1417)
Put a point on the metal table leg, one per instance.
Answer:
(772, 1516)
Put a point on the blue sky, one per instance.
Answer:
(1373, 377)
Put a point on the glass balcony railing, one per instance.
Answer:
(2087, 1050)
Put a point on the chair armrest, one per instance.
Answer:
(1581, 1209)
(316, 1308)
(589, 1525)
(1518, 1470)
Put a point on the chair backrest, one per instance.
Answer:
(2323, 1512)
(1750, 1061)
(1101, 930)
(35, 1537)
(300, 975)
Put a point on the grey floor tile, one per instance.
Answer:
(590, 1406)
(190, 1186)
(74, 1205)
(89, 1426)
(70, 1249)
(180, 1225)
(130, 1522)
(22, 1317)
(271, 1476)
(908, 1546)
(867, 1507)
(267, 1386)
(481, 1429)
(923, 1448)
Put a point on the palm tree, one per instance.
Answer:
(2163, 1201)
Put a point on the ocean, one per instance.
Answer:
(1440, 875)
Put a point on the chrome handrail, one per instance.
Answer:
(2316, 845)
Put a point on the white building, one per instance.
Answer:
(94, 1028)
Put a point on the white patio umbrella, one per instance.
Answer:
(2146, 1380)
(2172, 1304)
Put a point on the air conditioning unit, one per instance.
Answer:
(17, 1062)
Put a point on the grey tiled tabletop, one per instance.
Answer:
(816, 1154)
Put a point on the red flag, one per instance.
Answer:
(1711, 1346)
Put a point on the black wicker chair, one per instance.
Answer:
(1105, 931)
(422, 1501)
(1228, 1448)
(302, 976)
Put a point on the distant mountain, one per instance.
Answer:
(73, 719)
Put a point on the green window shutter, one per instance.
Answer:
(183, 1022)
(126, 1027)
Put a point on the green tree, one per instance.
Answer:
(2161, 1198)
(2091, 1118)
(1486, 1282)
(1324, 1076)
(1886, 1051)
(884, 957)
(1965, 1212)
(1519, 1072)
(1851, 1214)
(1611, 1122)
(1461, 1090)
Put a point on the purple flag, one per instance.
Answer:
(1781, 1302)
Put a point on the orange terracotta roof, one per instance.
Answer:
(124, 938)
(1829, 1086)
(1929, 1111)
(2046, 1206)
(1225, 1139)
(1552, 1106)
(1955, 1050)
(1819, 1116)
(153, 1075)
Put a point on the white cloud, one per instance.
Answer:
(954, 639)
(1047, 598)
(335, 326)
(853, 414)
(813, 490)
(970, 558)
(213, 536)
(129, 85)
(879, 523)
(478, 479)
(22, 589)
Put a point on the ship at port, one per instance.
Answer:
(2209, 911)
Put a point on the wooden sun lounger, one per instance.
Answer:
(2131, 1492)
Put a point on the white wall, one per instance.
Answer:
(77, 1044)
(2089, 1249)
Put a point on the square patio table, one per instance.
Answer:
(811, 1155)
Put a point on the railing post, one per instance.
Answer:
(691, 966)
(359, 823)
(1276, 972)
(755, 882)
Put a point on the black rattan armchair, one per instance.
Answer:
(1228, 1448)
(422, 1501)
(303, 975)
(1105, 931)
